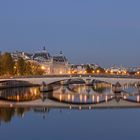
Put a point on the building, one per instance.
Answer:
(52, 64)
(117, 70)
(17, 54)
(78, 69)
(60, 64)
(84, 68)
(44, 59)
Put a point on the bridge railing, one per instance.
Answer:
(74, 75)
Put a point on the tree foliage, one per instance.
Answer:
(21, 66)
(100, 69)
(89, 69)
(7, 64)
(18, 67)
(0, 65)
(36, 69)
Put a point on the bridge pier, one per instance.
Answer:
(138, 98)
(106, 98)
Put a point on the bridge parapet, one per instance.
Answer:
(88, 79)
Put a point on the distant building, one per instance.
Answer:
(82, 68)
(60, 64)
(44, 59)
(52, 64)
(116, 70)
(133, 70)
(42, 56)
(25, 56)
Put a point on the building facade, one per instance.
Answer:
(60, 64)
(52, 64)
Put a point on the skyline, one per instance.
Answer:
(102, 32)
(60, 53)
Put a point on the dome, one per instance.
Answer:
(42, 56)
(60, 58)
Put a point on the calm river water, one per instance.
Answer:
(67, 124)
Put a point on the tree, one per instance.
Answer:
(100, 70)
(0, 64)
(89, 69)
(28, 68)
(7, 64)
(36, 69)
(21, 66)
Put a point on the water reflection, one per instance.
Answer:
(99, 92)
(6, 114)
(57, 118)
(96, 88)
(20, 94)
(80, 94)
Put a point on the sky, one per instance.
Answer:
(105, 32)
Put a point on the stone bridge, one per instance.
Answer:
(49, 80)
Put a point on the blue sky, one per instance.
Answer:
(106, 32)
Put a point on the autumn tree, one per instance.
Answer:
(36, 69)
(7, 64)
(0, 64)
(100, 69)
(89, 69)
(21, 66)
(29, 68)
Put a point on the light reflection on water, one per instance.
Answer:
(99, 92)
(73, 93)
(50, 123)
(20, 94)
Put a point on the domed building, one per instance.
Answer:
(44, 59)
(52, 65)
(60, 64)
